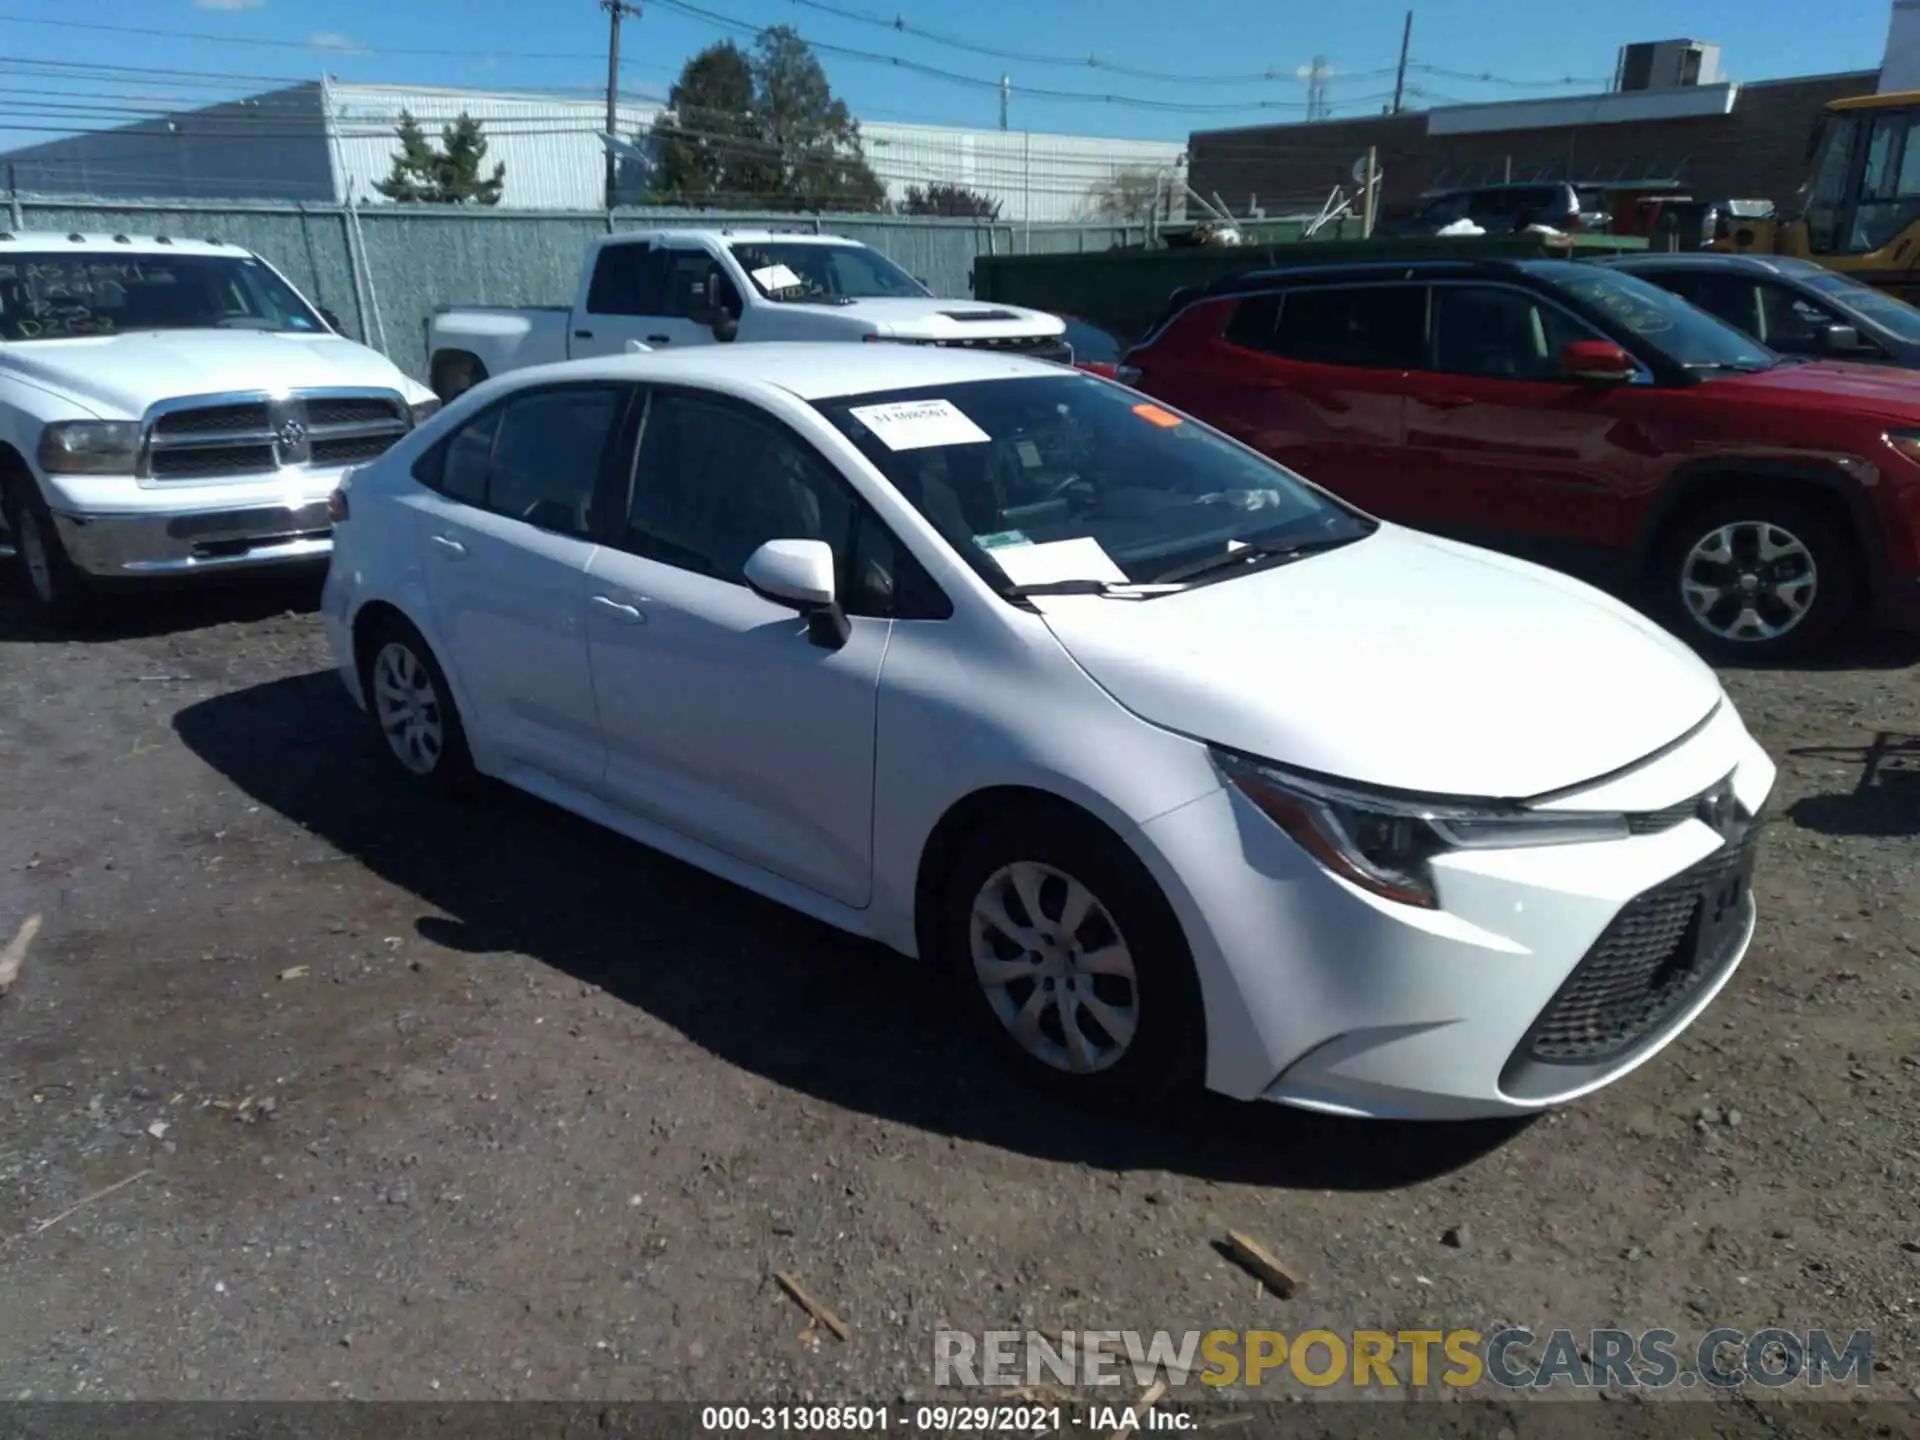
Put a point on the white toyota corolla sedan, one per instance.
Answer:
(1183, 768)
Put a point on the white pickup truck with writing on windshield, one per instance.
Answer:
(675, 288)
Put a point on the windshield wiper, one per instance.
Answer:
(1729, 366)
(1090, 587)
(1245, 553)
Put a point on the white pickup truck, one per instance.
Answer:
(169, 407)
(648, 291)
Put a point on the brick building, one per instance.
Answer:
(1721, 141)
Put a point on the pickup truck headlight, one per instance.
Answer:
(421, 411)
(1384, 843)
(89, 447)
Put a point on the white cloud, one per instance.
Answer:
(340, 43)
(228, 4)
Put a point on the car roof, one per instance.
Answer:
(814, 371)
(74, 242)
(1711, 260)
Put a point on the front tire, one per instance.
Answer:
(413, 710)
(47, 579)
(1760, 579)
(1071, 960)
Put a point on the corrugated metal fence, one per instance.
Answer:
(382, 269)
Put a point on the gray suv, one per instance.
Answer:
(1793, 306)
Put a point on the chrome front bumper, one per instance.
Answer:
(254, 537)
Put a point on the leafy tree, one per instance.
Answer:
(1127, 194)
(449, 175)
(712, 151)
(941, 198)
(762, 127)
(815, 140)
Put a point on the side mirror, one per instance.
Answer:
(1599, 362)
(799, 573)
(331, 320)
(1840, 340)
(725, 324)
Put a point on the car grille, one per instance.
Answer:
(1658, 953)
(229, 438)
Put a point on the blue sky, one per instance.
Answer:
(561, 44)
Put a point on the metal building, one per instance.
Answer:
(324, 141)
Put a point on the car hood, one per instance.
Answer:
(936, 319)
(119, 376)
(1401, 661)
(1821, 382)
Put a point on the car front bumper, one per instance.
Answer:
(246, 536)
(1547, 973)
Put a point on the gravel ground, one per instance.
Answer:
(481, 1102)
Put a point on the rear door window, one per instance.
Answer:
(628, 279)
(1375, 327)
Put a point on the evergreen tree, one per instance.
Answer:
(711, 150)
(762, 130)
(449, 175)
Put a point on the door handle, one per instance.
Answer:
(624, 613)
(583, 334)
(450, 547)
(1448, 402)
(659, 339)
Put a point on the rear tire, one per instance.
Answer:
(413, 711)
(1094, 997)
(1757, 579)
(45, 576)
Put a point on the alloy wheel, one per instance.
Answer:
(1054, 967)
(408, 708)
(1749, 580)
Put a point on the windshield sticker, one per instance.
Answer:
(777, 277)
(1154, 415)
(918, 424)
(1077, 559)
(1000, 539)
(1029, 454)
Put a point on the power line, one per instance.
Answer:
(900, 25)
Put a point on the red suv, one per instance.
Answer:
(1535, 402)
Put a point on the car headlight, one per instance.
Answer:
(1386, 843)
(422, 411)
(89, 447)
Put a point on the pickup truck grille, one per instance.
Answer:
(227, 437)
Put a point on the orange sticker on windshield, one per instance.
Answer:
(1154, 415)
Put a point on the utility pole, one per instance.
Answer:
(1400, 75)
(1367, 204)
(1006, 93)
(1317, 89)
(617, 10)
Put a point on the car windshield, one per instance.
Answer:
(1071, 477)
(57, 296)
(1689, 337)
(823, 274)
(1864, 302)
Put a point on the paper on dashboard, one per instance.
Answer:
(1077, 559)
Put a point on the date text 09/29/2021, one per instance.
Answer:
(1035, 1420)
